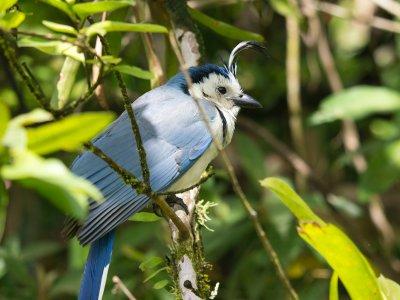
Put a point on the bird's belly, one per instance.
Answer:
(192, 176)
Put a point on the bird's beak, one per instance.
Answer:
(246, 101)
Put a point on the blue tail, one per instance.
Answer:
(96, 268)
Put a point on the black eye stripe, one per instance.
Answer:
(221, 90)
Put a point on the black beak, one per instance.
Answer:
(245, 101)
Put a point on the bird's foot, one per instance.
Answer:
(171, 200)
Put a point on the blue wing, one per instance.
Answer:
(174, 137)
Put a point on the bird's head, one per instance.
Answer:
(219, 84)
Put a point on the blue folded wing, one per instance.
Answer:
(174, 137)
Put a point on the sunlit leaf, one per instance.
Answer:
(61, 94)
(134, 71)
(144, 217)
(160, 284)
(4, 118)
(389, 288)
(343, 256)
(152, 275)
(356, 103)
(333, 287)
(52, 179)
(52, 47)
(67, 134)
(57, 27)
(329, 241)
(63, 6)
(102, 28)
(90, 8)
(150, 263)
(6, 4)
(284, 7)
(12, 19)
(290, 198)
(15, 135)
(224, 29)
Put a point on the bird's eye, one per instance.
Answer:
(221, 90)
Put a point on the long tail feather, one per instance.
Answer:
(96, 268)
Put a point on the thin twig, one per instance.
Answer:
(390, 6)
(235, 182)
(119, 285)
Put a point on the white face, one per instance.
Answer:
(218, 89)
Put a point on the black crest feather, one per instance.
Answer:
(232, 66)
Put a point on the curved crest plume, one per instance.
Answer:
(232, 66)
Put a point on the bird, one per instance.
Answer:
(178, 144)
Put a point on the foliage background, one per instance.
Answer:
(37, 262)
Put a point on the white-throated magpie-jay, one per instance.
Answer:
(178, 146)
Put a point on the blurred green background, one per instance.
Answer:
(37, 262)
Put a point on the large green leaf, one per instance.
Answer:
(67, 134)
(289, 197)
(90, 8)
(224, 29)
(52, 47)
(102, 28)
(338, 250)
(356, 103)
(333, 287)
(134, 71)
(52, 179)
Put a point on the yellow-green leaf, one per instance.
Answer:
(224, 29)
(90, 8)
(4, 118)
(63, 6)
(290, 198)
(12, 19)
(344, 257)
(333, 287)
(67, 134)
(144, 217)
(6, 4)
(57, 27)
(102, 28)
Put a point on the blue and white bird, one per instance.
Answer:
(178, 146)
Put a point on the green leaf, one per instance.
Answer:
(57, 27)
(150, 263)
(102, 28)
(356, 103)
(337, 249)
(52, 179)
(4, 118)
(12, 20)
(63, 6)
(52, 47)
(290, 198)
(144, 217)
(333, 287)
(160, 284)
(389, 288)
(65, 83)
(134, 71)
(343, 256)
(224, 29)
(384, 130)
(15, 135)
(85, 9)
(6, 4)
(67, 134)
(152, 275)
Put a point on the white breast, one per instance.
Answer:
(192, 176)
